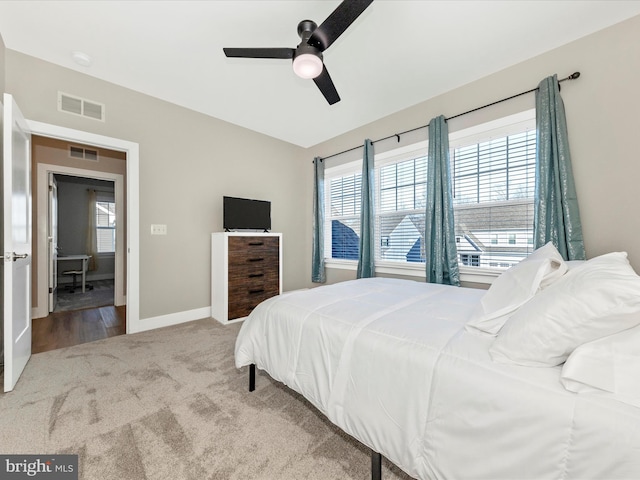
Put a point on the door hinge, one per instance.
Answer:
(50, 290)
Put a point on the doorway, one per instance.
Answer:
(51, 158)
(130, 242)
(82, 236)
(81, 254)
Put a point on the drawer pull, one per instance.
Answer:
(256, 259)
(255, 244)
(254, 275)
(257, 290)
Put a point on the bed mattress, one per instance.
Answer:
(390, 363)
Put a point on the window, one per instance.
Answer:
(493, 193)
(400, 186)
(106, 226)
(342, 211)
(470, 259)
(493, 183)
(400, 204)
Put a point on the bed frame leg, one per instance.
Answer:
(376, 466)
(252, 377)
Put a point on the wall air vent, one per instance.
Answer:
(80, 106)
(83, 153)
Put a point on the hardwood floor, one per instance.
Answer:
(65, 329)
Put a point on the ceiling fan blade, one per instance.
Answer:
(326, 86)
(336, 23)
(259, 52)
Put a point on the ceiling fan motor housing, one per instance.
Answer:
(305, 48)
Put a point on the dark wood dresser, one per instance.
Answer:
(246, 270)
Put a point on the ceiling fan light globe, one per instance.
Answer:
(307, 65)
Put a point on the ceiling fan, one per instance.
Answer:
(307, 56)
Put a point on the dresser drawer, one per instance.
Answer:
(257, 273)
(253, 250)
(250, 288)
(243, 303)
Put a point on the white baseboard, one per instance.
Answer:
(160, 321)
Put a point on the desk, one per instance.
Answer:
(83, 258)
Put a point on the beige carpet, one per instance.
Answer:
(170, 404)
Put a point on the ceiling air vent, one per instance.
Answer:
(80, 106)
(83, 153)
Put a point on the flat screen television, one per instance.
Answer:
(246, 214)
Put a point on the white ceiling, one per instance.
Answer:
(396, 54)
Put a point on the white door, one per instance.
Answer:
(52, 242)
(16, 238)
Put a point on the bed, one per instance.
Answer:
(406, 368)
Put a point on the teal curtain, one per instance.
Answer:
(366, 257)
(318, 274)
(440, 241)
(556, 216)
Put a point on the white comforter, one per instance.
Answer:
(390, 363)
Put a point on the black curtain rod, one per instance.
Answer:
(573, 76)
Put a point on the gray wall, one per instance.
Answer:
(188, 161)
(73, 219)
(602, 113)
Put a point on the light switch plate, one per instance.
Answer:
(158, 229)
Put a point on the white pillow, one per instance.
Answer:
(610, 364)
(515, 287)
(599, 298)
(574, 263)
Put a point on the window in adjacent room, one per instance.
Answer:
(106, 226)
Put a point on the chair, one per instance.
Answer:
(74, 285)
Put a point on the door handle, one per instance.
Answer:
(15, 256)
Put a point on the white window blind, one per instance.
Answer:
(343, 188)
(400, 210)
(106, 226)
(493, 194)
